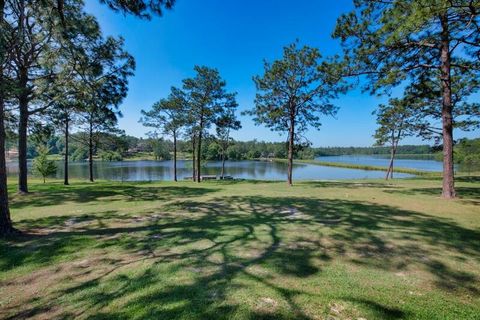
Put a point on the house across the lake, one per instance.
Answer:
(11, 154)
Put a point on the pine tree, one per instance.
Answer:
(294, 92)
(395, 42)
(42, 165)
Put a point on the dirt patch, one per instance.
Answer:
(34, 296)
(266, 305)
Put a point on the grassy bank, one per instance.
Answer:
(243, 250)
(364, 167)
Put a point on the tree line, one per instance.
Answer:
(117, 147)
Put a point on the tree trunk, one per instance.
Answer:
(222, 175)
(393, 159)
(392, 155)
(448, 187)
(291, 137)
(65, 170)
(199, 155)
(194, 176)
(90, 153)
(22, 145)
(174, 156)
(6, 226)
(225, 147)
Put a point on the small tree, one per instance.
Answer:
(167, 116)
(42, 165)
(294, 92)
(226, 122)
(396, 120)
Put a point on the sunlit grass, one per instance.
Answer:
(243, 250)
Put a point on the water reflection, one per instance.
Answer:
(163, 170)
(427, 165)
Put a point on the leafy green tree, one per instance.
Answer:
(81, 43)
(225, 123)
(426, 99)
(57, 20)
(294, 92)
(106, 85)
(396, 120)
(160, 149)
(168, 117)
(108, 155)
(33, 65)
(97, 119)
(42, 165)
(206, 98)
(140, 8)
(393, 42)
(467, 154)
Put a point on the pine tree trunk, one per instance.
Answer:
(65, 169)
(393, 159)
(194, 176)
(175, 156)
(224, 149)
(6, 226)
(199, 155)
(90, 153)
(222, 175)
(291, 137)
(448, 187)
(22, 145)
(390, 165)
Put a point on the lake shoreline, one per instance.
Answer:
(364, 167)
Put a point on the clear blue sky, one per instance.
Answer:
(234, 37)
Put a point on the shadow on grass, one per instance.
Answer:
(226, 244)
(85, 193)
(471, 193)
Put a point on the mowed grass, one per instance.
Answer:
(243, 250)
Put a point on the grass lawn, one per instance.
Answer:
(243, 250)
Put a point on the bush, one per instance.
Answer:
(110, 156)
(80, 154)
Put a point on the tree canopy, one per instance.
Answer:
(398, 41)
(294, 92)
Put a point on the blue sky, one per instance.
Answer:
(234, 37)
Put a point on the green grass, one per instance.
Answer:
(243, 250)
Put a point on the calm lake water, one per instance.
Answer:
(162, 170)
(427, 165)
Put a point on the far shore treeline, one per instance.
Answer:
(118, 147)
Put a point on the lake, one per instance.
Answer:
(247, 169)
(383, 161)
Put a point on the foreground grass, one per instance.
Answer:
(243, 250)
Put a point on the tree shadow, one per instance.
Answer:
(349, 185)
(225, 244)
(469, 193)
(380, 311)
(85, 193)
